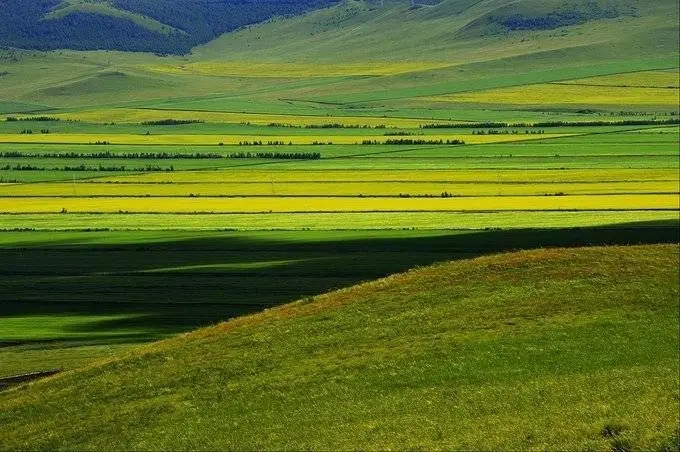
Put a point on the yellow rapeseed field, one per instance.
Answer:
(288, 70)
(652, 79)
(277, 204)
(467, 175)
(131, 139)
(324, 188)
(555, 94)
(137, 115)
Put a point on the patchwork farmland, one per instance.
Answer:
(174, 222)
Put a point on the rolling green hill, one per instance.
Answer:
(454, 32)
(544, 349)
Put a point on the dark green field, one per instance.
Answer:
(69, 296)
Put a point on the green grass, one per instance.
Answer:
(326, 221)
(10, 176)
(18, 107)
(576, 349)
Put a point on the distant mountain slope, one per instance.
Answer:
(176, 26)
(364, 31)
(379, 55)
(168, 26)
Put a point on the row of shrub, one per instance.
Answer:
(147, 168)
(171, 122)
(399, 134)
(322, 126)
(444, 194)
(344, 126)
(507, 132)
(261, 143)
(410, 141)
(111, 155)
(277, 155)
(628, 122)
(32, 118)
(30, 131)
(164, 155)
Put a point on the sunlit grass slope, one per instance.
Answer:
(572, 93)
(362, 31)
(546, 349)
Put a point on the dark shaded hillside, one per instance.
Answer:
(206, 19)
(549, 15)
(23, 26)
(27, 24)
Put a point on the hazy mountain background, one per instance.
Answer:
(176, 26)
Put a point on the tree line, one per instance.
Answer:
(83, 167)
(32, 118)
(171, 122)
(628, 122)
(111, 155)
(410, 141)
(276, 155)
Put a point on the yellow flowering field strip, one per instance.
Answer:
(323, 188)
(555, 94)
(295, 70)
(299, 204)
(449, 176)
(138, 115)
(207, 140)
(652, 79)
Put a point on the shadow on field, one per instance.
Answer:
(162, 288)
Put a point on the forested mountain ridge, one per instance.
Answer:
(165, 27)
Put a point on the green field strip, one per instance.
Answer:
(336, 204)
(327, 221)
(313, 188)
(397, 174)
(131, 181)
(330, 197)
(521, 79)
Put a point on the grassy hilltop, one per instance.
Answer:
(546, 349)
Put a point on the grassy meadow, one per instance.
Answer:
(544, 349)
(143, 197)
